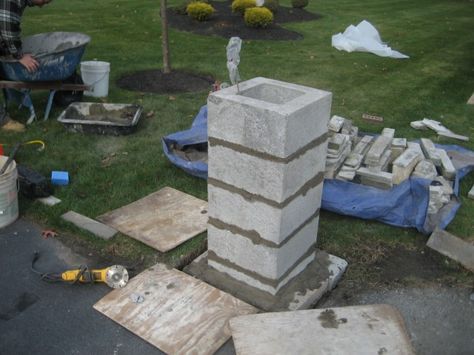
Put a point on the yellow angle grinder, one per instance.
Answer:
(115, 276)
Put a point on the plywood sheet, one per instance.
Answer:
(376, 329)
(174, 311)
(163, 220)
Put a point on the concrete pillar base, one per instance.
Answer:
(302, 292)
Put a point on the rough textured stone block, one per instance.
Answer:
(438, 198)
(399, 142)
(447, 186)
(363, 145)
(267, 155)
(268, 261)
(257, 281)
(447, 167)
(430, 151)
(404, 165)
(347, 175)
(354, 160)
(378, 148)
(259, 219)
(337, 142)
(380, 178)
(336, 123)
(388, 132)
(302, 292)
(425, 169)
(347, 127)
(276, 181)
(417, 147)
(99, 229)
(269, 116)
(382, 165)
(418, 125)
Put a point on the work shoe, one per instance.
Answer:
(13, 126)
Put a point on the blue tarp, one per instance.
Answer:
(404, 205)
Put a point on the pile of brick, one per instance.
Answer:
(385, 161)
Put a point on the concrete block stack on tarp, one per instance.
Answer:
(360, 178)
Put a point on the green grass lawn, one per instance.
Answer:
(435, 82)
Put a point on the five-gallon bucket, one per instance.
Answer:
(8, 193)
(96, 74)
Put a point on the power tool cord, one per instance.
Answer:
(55, 277)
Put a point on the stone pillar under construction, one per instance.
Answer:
(267, 155)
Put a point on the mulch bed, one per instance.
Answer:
(155, 81)
(226, 24)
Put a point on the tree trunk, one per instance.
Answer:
(164, 41)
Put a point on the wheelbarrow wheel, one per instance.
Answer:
(65, 98)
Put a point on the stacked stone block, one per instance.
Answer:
(267, 155)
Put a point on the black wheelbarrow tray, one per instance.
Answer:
(58, 54)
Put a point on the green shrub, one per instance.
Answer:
(199, 10)
(241, 5)
(272, 5)
(181, 9)
(258, 17)
(299, 4)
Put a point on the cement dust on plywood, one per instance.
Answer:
(162, 220)
(373, 329)
(174, 311)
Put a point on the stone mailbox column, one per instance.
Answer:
(267, 154)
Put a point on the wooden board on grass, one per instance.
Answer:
(373, 329)
(174, 311)
(162, 220)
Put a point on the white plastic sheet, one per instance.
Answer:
(364, 38)
(233, 59)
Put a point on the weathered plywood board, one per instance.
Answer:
(175, 312)
(375, 329)
(163, 220)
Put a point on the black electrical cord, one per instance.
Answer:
(48, 277)
(55, 277)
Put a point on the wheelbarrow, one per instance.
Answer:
(58, 54)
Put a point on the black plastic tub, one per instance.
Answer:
(98, 118)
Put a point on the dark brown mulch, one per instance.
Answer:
(155, 81)
(226, 24)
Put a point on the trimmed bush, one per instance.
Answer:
(272, 5)
(242, 5)
(258, 17)
(199, 10)
(181, 9)
(299, 4)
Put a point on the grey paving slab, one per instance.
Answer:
(453, 247)
(98, 229)
(438, 318)
(373, 329)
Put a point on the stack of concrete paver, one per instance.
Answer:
(385, 161)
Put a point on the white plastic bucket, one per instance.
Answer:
(96, 74)
(8, 194)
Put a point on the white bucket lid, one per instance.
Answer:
(95, 65)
